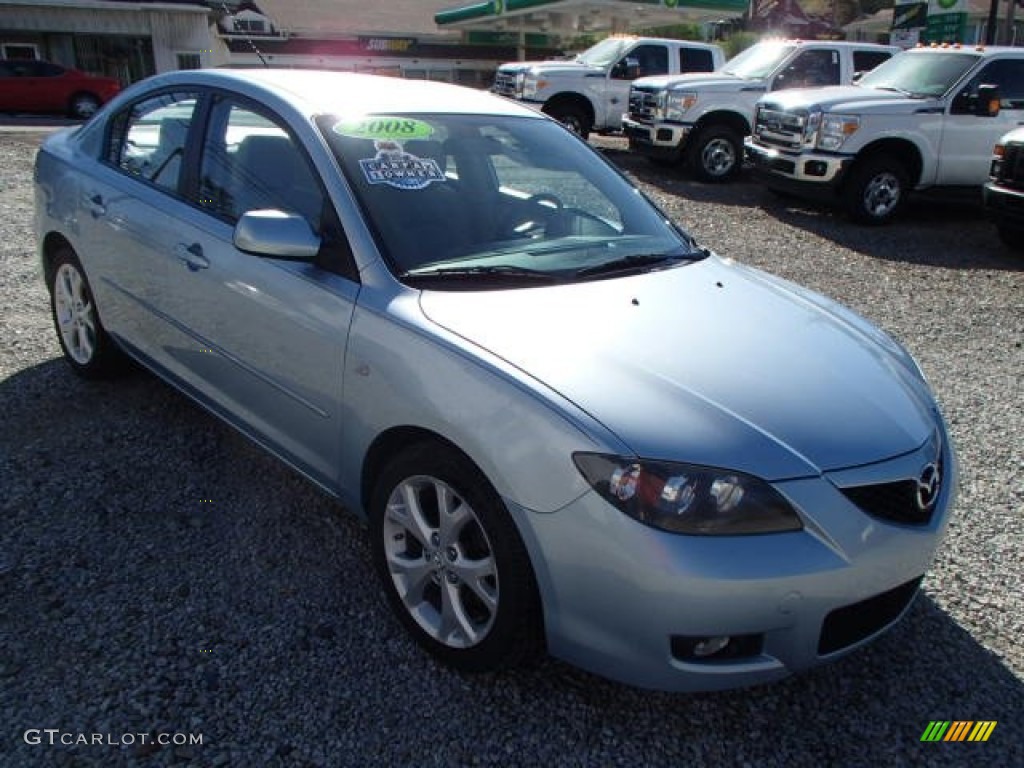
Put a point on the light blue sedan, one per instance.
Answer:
(568, 425)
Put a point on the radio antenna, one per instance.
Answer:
(248, 37)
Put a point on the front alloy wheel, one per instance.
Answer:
(876, 190)
(453, 566)
(718, 154)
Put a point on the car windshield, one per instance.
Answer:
(462, 198)
(602, 54)
(758, 61)
(928, 73)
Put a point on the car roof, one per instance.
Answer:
(331, 92)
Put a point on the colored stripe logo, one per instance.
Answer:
(958, 730)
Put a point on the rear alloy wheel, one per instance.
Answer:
(86, 345)
(876, 190)
(717, 154)
(451, 561)
(83, 106)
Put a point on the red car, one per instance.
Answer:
(40, 86)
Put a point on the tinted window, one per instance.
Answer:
(1008, 74)
(865, 61)
(652, 59)
(811, 69)
(695, 60)
(148, 140)
(250, 162)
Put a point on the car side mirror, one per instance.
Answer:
(626, 69)
(277, 234)
(987, 104)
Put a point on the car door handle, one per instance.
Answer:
(96, 206)
(191, 256)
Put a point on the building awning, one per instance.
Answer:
(585, 16)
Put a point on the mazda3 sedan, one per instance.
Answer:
(569, 426)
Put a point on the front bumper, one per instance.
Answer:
(624, 600)
(657, 139)
(808, 173)
(1004, 205)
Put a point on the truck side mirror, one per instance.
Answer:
(987, 104)
(626, 69)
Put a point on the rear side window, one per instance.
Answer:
(695, 60)
(865, 61)
(148, 139)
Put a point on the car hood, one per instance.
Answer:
(710, 363)
(549, 67)
(847, 98)
(705, 81)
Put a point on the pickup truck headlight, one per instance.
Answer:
(836, 129)
(520, 84)
(532, 85)
(688, 499)
(672, 105)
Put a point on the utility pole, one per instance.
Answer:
(990, 27)
(1011, 9)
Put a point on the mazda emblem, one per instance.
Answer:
(928, 486)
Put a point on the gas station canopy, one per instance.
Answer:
(575, 17)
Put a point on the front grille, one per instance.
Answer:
(779, 128)
(1011, 169)
(642, 103)
(848, 625)
(505, 84)
(898, 502)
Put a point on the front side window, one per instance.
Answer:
(649, 59)
(811, 69)
(148, 139)
(451, 194)
(250, 162)
(1008, 76)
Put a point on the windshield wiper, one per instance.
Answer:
(496, 270)
(638, 262)
(894, 89)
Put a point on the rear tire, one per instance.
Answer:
(876, 190)
(717, 154)
(87, 347)
(452, 563)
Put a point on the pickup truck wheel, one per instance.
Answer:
(571, 117)
(876, 189)
(717, 154)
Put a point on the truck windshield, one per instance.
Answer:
(925, 73)
(604, 53)
(460, 199)
(758, 61)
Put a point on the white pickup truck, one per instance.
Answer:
(926, 119)
(702, 119)
(589, 93)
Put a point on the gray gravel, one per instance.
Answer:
(130, 605)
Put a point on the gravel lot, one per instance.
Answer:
(160, 574)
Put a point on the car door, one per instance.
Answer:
(132, 203)
(641, 61)
(965, 152)
(261, 339)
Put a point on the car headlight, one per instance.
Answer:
(531, 85)
(674, 104)
(836, 129)
(685, 498)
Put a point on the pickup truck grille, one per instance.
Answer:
(642, 102)
(505, 84)
(1010, 171)
(779, 128)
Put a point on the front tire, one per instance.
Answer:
(87, 347)
(876, 190)
(717, 154)
(83, 106)
(451, 561)
(572, 117)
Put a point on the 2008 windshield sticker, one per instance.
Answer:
(385, 128)
(397, 168)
